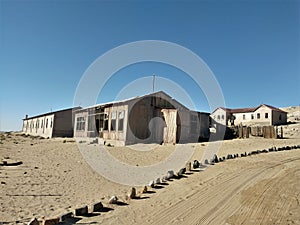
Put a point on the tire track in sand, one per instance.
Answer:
(217, 199)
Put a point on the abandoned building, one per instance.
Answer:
(152, 118)
(51, 124)
(263, 115)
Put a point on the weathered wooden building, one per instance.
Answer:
(51, 124)
(153, 118)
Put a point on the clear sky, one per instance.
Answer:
(252, 47)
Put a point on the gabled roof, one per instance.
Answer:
(242, 110)
(133, 99)
(272, 107)
(49, 113)
(248, 110)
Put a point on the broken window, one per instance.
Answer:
(113, 121)
(121, 121)
(80, 123)
(266, 115)
(105, 127)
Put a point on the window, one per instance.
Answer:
(105, 122)
(121, 121)
(80, 123)
(258, 115)
(51, 123)
(218, 117)
(46, 123)
(252, 117)
(42, 124)
(280, 117)
(222, 117)
(244, 117)
(113, 121)
(266, 115)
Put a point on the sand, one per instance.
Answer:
(54, 179)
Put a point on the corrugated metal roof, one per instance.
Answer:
(49, 113)
(133, 98)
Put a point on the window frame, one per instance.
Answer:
(80, 123)
(121, 115)
(113, 121)
(266, 115)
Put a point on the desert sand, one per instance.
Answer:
(54, 179)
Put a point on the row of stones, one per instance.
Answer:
(217, 159)
(81, 211)
(97, 207)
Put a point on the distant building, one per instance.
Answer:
(153, 118)
(51, 124)
(260, 116)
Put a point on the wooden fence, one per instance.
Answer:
(259, 131)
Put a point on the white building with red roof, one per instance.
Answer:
(259, 116)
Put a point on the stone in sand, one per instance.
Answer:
(132, 193)
(164, 178)
(170, 174)
(158, 181)
(33, 221)
(151, 184)
(97, 207)
(65, 216)
(196, 164)
(188, 166)
(144, 189)
(113, 200)
(181, 171)
(51, 221)
(82, 211)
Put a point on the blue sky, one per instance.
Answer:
(252, 47)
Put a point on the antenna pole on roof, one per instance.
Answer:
(153, 81)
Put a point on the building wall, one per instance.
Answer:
(262, 116)
(39, 126)
(279, 118)
(204, 125)
(63, 124)
(145, 123)
(115, 134)
(81, 124)
(220, 116)
(243, 118)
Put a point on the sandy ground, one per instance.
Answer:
(54, 179)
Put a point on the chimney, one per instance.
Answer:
(26, 117)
